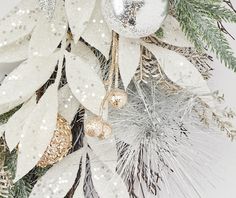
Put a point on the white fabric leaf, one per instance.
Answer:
(129, 57)
(84, 82)
(106, 182)
(19, 22)
(22, 82)
(173, 33)
(15, 52)
(83, 51)
(38, 131)
(180, 71)
(79, 13)
(14, 126)
(68, 104)
(79, 192)
(2, 129)
(105, 150)
(49, 32)
(97, 32)
(59, 179)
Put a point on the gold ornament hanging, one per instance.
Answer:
(117, 98)
(95, 126)
(60, 144)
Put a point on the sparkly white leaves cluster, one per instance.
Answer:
(46, 45)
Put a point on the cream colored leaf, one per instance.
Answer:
(84, 82)
(19, 22)
(83, 51)
(22, 82)
(14, 126)
(105, 150)
(68, 104)
(79, 13)
(59, 179)
(49, 33)
(15, 52)
(106, 182)
(129, 57)
(173, 33)
(180, 71)
(97, 32)
(38, 131)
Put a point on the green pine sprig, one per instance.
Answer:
(198, 19)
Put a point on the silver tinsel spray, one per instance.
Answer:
(161, 143)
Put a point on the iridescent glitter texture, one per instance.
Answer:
(128, 17)
(48, 6)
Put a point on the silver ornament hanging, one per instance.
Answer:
(134, 18)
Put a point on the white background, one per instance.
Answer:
(223, 80)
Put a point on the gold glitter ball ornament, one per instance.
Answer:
(95, 126)
(118, 98)
(59, 145)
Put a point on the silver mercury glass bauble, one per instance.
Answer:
(134, 18)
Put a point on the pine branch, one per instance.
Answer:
(198, 20)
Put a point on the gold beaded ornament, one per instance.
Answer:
(60, 144)
(117, 98)
(95, 126)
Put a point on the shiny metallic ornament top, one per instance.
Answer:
(134, 18)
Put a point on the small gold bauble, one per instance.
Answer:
(117, 98)
(95, 126)
(106, 132)
(60, 144)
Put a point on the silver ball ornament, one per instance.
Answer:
(134, 18)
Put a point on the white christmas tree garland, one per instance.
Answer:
(69, 51)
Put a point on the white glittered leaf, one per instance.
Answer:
(83, 51)
(48, 33)
(105, 150)
(14, 126)
(79, 192)
(129, 57)
(97, 32)
(2, 129)
(173, 34)
(106, 182)
(59, 179)
(180, 71)
(84, 82)
(21, 84)
(15, 52)
(68, 104)
(79, 13)
(38, 131)
(19, 22)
